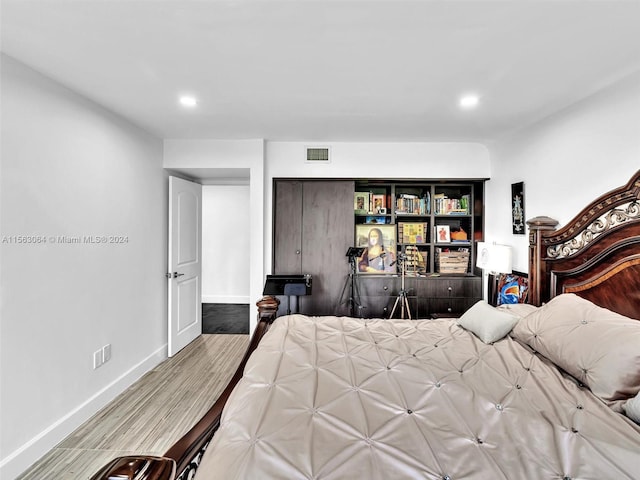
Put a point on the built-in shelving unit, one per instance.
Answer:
(315, 223)
(435, 224)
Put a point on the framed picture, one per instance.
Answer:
(380, 248)
(412, 232)
(376, 220)
(361, 202)
(512, 288)
(517, 208)
(443, 234)
(379, 202)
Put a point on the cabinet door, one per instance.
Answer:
(456, 287)
(327, 233)
(287, 231)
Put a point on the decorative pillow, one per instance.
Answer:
(488, 323)
(597, 346)
(632, 408)
(518, 309)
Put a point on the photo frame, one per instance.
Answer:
(379, 202)
(361, 202)
(517, 208)
(443, 234)
(378, 257)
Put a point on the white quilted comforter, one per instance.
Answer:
(342, 398)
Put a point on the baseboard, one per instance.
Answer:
(236, 299)
(21, 459)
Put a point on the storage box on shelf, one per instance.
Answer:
(452, 262)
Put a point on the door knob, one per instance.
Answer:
(175, 275)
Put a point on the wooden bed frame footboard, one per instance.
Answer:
(183, 458)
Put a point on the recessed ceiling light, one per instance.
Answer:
(469, 101)
(188, 101)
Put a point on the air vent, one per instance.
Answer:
(318, 155)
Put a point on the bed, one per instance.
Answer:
(548, 389)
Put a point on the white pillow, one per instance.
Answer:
(488, 323)
(597, 346)
(632, 408)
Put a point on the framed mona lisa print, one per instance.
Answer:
(380, 248)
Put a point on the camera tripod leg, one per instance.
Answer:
(404, 305)
(393, 310)
(353, 300)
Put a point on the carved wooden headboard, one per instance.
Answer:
(596, 255)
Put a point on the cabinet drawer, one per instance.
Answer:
(455, 287)
(451, 305)
(381, 307)
(385, 285)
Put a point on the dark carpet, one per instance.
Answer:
(225, 318)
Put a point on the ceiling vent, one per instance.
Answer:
(318, 155)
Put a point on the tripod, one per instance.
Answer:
(354, 291)
(402, 294)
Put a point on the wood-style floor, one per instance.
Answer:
(150, 415)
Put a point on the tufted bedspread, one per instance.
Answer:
(342, 398)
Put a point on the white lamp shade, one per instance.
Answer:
(494, 258)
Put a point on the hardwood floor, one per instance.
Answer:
(151, 414)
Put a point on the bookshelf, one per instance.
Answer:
(436, 224)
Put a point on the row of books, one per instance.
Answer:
(409, 204)
(442, 205)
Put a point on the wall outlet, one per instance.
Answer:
(97, 359)
(106, 353)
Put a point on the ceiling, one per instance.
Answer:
(311, 70)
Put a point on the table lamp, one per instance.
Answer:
(493, 259)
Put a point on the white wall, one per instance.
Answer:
(565, 161)
(71, 168)
(225, 244)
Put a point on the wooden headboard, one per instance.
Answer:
(596, 255)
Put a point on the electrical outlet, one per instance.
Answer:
(106, 353)
(97, 359)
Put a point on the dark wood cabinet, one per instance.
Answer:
(315, 223)
(313, 228)
(450, 294)
(425, 295)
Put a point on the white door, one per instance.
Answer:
(185, 261)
